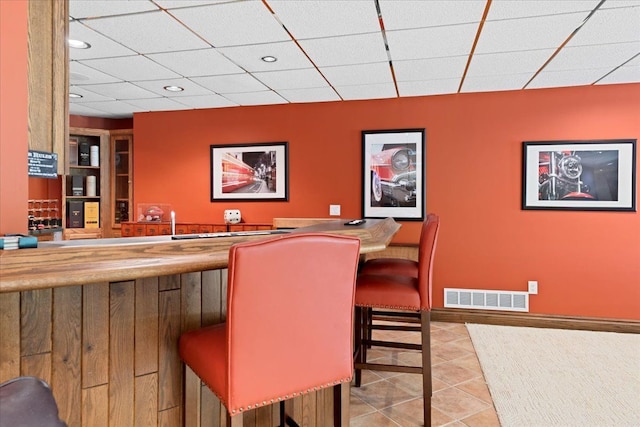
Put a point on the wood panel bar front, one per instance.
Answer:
(109, 347)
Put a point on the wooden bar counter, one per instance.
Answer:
(99, 320)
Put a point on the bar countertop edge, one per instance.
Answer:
(116, 260)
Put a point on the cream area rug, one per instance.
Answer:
(560, 378)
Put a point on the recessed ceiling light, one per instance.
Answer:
(173, 88)
(75, 95)
(269, 58)
(78, 44)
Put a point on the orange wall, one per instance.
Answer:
(13, 117)
(586, 263)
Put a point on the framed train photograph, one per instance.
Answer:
(250, 172)
(595, 175)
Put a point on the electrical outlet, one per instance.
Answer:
(334, 210)
(533, 287)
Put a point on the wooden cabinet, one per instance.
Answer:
(121, 177)
(131, 229)
(249, 227)
(85, 187)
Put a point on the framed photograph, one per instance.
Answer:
(250, 172)
(595, 175)
(393, 174)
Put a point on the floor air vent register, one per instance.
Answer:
(486, 299)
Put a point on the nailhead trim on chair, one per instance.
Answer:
(397, 307)
(280, 398)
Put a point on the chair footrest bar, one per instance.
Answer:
(396, 328)
(389, 368)
(415, 315)
(405, 345)
(382, 318)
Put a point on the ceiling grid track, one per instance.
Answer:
(557, 51)
(475, 43)
(386, 47)
(293, 39)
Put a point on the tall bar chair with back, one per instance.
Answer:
(398, 290)
(289, 328)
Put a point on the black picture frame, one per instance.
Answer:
(250, 172)
(393, 174)
(581, 175)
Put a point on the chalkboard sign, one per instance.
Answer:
(43, 164)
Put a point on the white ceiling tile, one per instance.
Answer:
(360, 74)
(92, 9)
(496, 82)
(190, 88)
(450, 40)
(346, 50)
(429, 69)
(510, 9)
(150, 32)
(317, 94)
(406, 14)
(87, 96)
(256, 98)
(528, 33)
(314, 19)
(131, 68)
(201, 62)
(232, 83)
(120, 91)
(373, 91)
(629, 73)
(609, 26)
(101, 46)
(233, 24)
(289, 55)
(595, 56)
(504, 63)
(611, 4)
(83, 110)
(80, 74)
(115, 109)
(567, 78)
(428, 87)
(173, 4)
(429, 43)
(292, 79)
(158, 104)
(209, 101)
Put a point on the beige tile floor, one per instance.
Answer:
(460, 394)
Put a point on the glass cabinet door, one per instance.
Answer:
(121, 176)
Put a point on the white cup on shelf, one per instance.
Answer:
(91, 186)
(94, 155)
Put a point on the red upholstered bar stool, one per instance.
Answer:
(404, 298)
(289, 328)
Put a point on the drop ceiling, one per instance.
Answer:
(339, 50)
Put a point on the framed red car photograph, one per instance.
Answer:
(393, 174)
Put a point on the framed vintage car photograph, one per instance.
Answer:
(393, 174)
(597, 175)
(250, 172)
